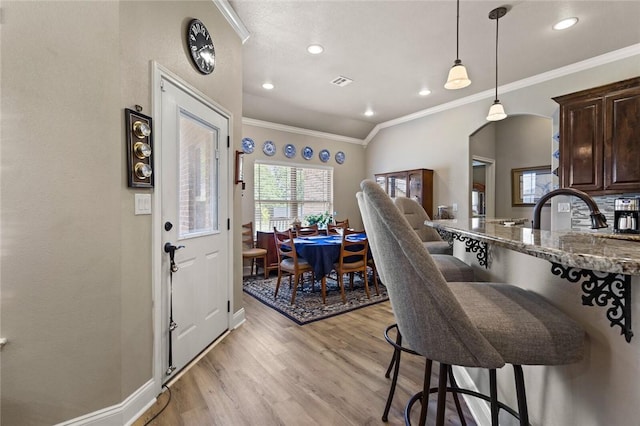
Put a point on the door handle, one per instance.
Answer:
(171, 249)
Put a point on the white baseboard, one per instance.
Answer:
(238, 319)
(479, 408)
(124, 413)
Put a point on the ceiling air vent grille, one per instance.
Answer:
(341, 81)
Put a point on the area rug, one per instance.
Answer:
(309, 307)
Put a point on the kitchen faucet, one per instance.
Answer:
(597, 219)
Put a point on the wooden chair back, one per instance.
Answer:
(343, 223)
(335, 229)
(247, 236)
(284, 245)
(353, 252)
(307, 230)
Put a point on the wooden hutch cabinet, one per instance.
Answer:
(600, 138)
(416, 184)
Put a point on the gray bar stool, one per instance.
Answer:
(482, 325)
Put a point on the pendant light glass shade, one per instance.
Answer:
(496, 112)
(458, 77)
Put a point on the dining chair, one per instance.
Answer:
(306, 231)
(353, 258)
(250, 251)
(289, 261)
(335, 229)
(344, 223)
(479, 324)
(415, 214)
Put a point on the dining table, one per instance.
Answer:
(322, 252)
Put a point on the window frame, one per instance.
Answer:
(286, 221)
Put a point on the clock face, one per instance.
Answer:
(201, 47)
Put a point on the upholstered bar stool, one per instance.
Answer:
(481, 325)
(452, 269)
(416, 215)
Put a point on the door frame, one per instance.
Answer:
(490, 184)
(158, 73)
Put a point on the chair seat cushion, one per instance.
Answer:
(254, 252)
(350, 265)
(288, 264)
(438, 247)
(453, 268)
(523, 327)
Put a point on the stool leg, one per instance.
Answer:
(456, 398)
(442, 393)
(395, 361)
(494, 397)
(426, 386)
(522, 397)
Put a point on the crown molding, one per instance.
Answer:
(233, 19)
(603, 59)
(300, 131)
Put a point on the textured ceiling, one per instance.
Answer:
(392, 49)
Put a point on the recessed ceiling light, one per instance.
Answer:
(424, 92)
(315, 49)
(565, 23)
(268, 86)
(368, 113)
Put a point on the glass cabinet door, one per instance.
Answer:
(415, 186)
(397, 185)
(382, 181)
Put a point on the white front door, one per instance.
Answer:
(195, 220)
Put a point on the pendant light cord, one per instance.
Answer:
(458, 31)
(497, 21)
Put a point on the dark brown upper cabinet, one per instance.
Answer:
(600, 138)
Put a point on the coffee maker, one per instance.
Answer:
(626, 215)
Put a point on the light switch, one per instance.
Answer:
(564, 207)
(142, 203)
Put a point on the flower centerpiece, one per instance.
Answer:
(322, 219)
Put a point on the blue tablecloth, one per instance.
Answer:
(322, 251)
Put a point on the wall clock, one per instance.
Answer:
(200, 44)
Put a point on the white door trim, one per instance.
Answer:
(158, 73)
(490, 185)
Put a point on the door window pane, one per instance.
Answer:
(197, 177)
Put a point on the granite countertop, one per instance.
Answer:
(596, 251)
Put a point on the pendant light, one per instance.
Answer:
(496, 112)
(458, 77)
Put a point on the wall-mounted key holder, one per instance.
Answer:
(139, 149)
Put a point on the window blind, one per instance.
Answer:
(283, 193)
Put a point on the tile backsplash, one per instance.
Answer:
(580, 218)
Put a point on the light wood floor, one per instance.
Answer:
(271, 371)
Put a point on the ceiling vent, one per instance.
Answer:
(341, 81)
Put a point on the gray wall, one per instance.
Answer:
(76, 262)
(602, 389)
(515, 142)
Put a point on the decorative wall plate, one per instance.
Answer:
(248, 145)
(339, 157)
(289, 150)
(269, 148)
(307, 153)
(324, 155)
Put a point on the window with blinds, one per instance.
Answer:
(283, 193)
